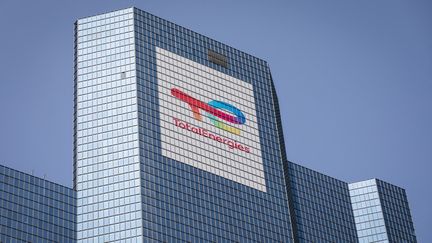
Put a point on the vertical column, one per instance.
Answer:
(368, 214)
(106, 130)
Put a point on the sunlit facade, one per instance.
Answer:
(381, 212)
(107, 162)
(178, 138)
(175, 136)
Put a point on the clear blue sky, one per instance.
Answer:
(354, 80)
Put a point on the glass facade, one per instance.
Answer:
(368, 213)
(178, 138)
(208, 166)
(381, 212)
(198, 187)
(35, 210)
(107, 162)
(397, 215)
(322, 207)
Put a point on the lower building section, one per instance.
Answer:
(34, 210)
(330, 210)
(322, 206)
(381, 212)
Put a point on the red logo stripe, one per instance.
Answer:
(197, 104)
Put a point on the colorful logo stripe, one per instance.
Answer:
(214, 109)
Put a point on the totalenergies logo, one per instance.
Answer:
(214, 109)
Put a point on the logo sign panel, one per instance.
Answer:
(208, 120)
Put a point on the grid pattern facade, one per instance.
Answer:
(397, 216)
(149, 167)
(322, 207)
(182, 202)
(107, 167)
(35, 210)
(368, 214)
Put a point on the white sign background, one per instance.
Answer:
(206, 84)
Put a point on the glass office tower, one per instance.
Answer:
(381, 212)
(176, 137)
(34, 210)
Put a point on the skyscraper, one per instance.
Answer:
(178, 138)
(175, 136)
